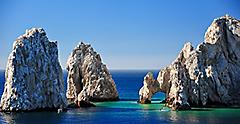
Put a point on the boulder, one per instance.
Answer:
(88, 78)
(34, 79)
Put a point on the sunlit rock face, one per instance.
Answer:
(150, 87)
(33, 75)
(88, 78)
(208, 75)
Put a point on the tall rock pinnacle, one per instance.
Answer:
(33, 74)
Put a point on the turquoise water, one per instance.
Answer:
(126, 110)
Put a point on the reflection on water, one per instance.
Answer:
(173, 116)
(31, 117)
(7, 118)
(126, 112)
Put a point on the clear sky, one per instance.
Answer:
(128, 34)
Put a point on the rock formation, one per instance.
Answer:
(208, 75)
(88, 78)
(34, 78)
(150, 87)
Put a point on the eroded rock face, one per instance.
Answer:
(174, 80)
(33, 75)
(208, 75)
(88, 78)
(150, 87)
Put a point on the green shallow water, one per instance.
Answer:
(131, 105)
(127, 112)
(196, 115)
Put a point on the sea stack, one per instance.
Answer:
(88, 78)
(208, 75)
(33, 76)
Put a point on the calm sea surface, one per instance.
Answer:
(126, 110)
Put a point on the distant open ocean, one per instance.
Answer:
(126, 110)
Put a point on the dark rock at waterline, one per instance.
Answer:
(144, 102)
(85, 104)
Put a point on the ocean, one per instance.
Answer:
(127, 110)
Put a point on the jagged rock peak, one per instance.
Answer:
(208, 75)
(220, 27)
(33, 75)
(88, 78)
(184, 53)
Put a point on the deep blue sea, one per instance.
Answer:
(126, 110)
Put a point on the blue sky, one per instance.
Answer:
(129, 34)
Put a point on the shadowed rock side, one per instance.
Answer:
(88, 78)
(34, 78)
(208, 75)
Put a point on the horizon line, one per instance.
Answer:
(117, 69)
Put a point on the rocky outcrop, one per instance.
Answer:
(88, 78)
(174, 81)
(208, 75)
(150, 87)
(33, 75)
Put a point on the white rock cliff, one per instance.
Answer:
(33, 75)
(208, 75)
(88, 78)
(150, 87)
